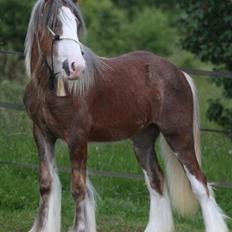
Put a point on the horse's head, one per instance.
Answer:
(57, 34)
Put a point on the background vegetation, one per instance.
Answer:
(206, 27)
(114, 27)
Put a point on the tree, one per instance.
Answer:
(151, 30)
(133, 6)
(112, 32)
(206, 28)
(105, 26)
(14, 17)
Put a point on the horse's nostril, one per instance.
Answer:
(73, 66)
(66, 67)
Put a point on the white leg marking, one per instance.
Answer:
(53, 222)
(87, 221)
(160, 219)
(90, 207)
(214, 217)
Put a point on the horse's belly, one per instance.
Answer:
(111, 133)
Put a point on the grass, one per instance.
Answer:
(124, 203)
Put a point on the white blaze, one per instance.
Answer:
(68, 48)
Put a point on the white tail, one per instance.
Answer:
(180, 190)
(196, 119)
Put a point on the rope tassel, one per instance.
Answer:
(60, 89)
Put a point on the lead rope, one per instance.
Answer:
(52, 74)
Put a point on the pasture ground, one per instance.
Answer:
(123, 204)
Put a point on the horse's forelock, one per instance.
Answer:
(45, 14)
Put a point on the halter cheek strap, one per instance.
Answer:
(52, 74)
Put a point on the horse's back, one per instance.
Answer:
(146, 67)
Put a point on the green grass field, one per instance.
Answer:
(123, 204)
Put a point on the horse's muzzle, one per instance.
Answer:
(74, 70)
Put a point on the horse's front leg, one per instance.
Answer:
(48, 219)
(82, 191)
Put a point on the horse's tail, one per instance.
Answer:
(180, 190)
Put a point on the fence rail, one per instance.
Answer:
(95, 173)
(214, 74)
(11, 106)
(7, 53)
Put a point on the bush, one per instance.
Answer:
(206, 27)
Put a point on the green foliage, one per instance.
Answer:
(217, 112)
(14, 17)
(105, 24)
(151, 30)
(133, 6)
(206, 28)
(111, 32)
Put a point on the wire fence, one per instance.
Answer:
(128, 176)
(204, 73)
(7, 53)
(96, 173)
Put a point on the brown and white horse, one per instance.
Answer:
(137, 95)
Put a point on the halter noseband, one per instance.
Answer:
(52, 74)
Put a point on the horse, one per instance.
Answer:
(79, 97)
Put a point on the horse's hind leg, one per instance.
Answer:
(185, 152)
(48, 219)
(160, 219)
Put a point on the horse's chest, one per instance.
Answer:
(50, 116)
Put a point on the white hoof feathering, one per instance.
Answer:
(90, 207)
(214, 218)
(87, 221)
(53, 222)
(160, 218)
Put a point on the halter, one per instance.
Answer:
(52, 74)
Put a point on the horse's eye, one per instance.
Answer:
(82, 53)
